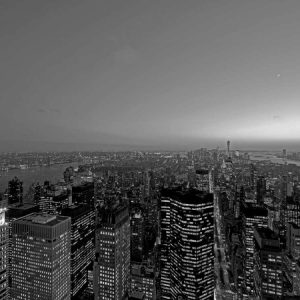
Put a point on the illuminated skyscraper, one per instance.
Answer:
(165, 247)
(3, 255)
(15, 211)
(82, 245)
(253, 216)
(191, 255)
(112, 263)
(41, 257)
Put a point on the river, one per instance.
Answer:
(272, 158)
(36, 174)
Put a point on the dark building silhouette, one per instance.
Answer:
(137, 234)
(83, 193)
(261, 190)
(15, 191)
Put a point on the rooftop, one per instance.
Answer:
(42, 219)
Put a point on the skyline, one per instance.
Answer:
(140, 74)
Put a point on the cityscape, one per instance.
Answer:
(149, 150)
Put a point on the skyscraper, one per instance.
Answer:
(204, 180)
(14, 212)
(82, 244)
(253, 216)
(112, 262)
(137, 230)
(15, 191)
(165, 247)
(41, 257)
(191, 255)
(268, 275)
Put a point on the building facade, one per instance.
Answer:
(40, 262)
(112, 261)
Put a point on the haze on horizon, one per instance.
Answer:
(149, 74)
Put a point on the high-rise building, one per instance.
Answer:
(83, 193)
(261, 187)
(14, 212)
(165, 247)
(3, 255)
(82, 245)
(252, 216)
(191, 254)
(15, 191)
(268, 275)
(40, 267)
(204, 180)
(137, 234)
(112, 262)
(291, 259)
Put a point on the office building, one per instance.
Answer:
(82, 245)
(112, 262)
(40, 262)
(204, 180)
(191, 254)
(253, 216)
(268, 275)
(14, 212)
(137, 235)
(83, 193)
(164, 225)
(15, 191)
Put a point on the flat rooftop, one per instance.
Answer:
(42, 219)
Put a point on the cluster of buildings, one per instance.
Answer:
(206, 224)
(260, 215)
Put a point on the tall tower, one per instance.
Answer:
(41, 257)
(112, 263)
(191, 259)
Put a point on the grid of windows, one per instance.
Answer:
(40, 267)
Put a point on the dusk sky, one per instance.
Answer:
(168, 73)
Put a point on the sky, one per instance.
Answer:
(155, 74)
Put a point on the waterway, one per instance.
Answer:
(52, 173)
(272, 158)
